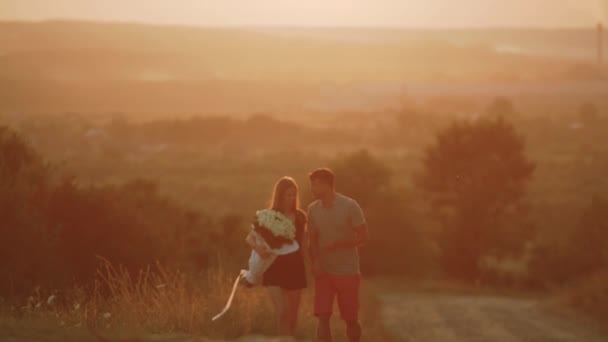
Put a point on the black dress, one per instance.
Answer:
(288, 271)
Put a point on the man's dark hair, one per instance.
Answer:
(325, 175)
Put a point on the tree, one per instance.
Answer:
(19, 163)
(395, 245)
(475, 176)
(577, 252)
(501, 106)
(27, 242)
(364, 177)
(591, 237)
(51, 233)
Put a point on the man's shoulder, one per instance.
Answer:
(312, 206)
(346, 200)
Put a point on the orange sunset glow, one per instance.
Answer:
(430, 13)
(321, 170)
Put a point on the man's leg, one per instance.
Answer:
(347, 287)
(324, 301)
(353, 330)
(324, 329)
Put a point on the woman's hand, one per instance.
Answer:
(263, 252)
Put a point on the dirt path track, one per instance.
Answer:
(459, 318)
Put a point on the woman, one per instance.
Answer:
(286, 277)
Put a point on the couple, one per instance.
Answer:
(333, 229)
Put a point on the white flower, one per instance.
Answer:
(277, 223)
(50, 300)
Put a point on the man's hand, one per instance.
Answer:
(359, 240)
(331, 247)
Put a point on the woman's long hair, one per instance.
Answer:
(280, 188)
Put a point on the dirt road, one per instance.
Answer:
(458, 318)
(412, 317)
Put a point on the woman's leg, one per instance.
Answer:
(279, 299)
(293, 308)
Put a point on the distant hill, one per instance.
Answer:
(89, 66)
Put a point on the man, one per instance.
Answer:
(337, 229)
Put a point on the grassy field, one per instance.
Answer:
(164, 304)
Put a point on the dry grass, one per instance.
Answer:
(161, 302)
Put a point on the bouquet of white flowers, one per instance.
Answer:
(274, 231)
(276, 223)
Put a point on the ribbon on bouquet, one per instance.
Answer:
(229, 303)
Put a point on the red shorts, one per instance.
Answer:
(343, 286)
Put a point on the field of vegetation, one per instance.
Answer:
(124, 224)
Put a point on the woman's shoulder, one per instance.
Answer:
(302, 214)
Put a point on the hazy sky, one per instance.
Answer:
(419, 13)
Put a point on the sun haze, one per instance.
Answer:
(428, 13)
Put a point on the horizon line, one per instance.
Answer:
(298, 26)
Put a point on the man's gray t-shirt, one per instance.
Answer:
(336, 223)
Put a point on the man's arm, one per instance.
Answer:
(313, 246)
(360, 239)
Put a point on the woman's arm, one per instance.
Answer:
(260, 249)
(250, 239)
